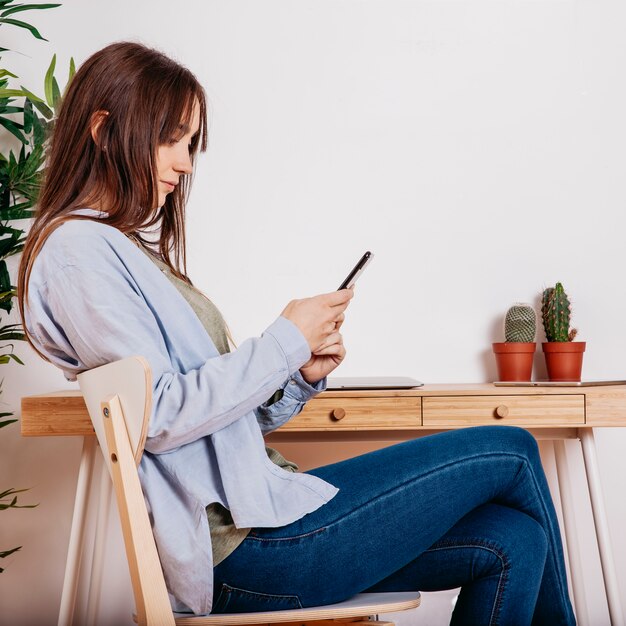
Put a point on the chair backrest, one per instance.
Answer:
(131, 380)
(119, 398)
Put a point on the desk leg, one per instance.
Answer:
(602, 527)
(95, 579)
(576, 568)
(77, 533)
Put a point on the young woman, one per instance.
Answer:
(237, 527)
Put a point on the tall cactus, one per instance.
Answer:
(556, 313)
(520, 324)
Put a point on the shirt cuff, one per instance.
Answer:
(291, 341)
(298, 388)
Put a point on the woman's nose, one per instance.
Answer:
(183, 162)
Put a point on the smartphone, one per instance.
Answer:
(351, 278)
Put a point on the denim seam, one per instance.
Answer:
(504, 574)
(317, 531)
(552, 540)
(421, 476)
(229, 589)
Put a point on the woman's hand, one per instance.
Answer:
(326, 359)
(319, 320)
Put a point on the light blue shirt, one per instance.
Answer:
(94, 297)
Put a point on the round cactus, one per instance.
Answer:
(520, 324)
(556, 313)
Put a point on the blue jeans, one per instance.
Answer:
(468, 508)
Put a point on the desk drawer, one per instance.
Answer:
(522, 410)
(358, 414)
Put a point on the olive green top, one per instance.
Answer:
(225, 536)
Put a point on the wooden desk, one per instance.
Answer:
(552, 413)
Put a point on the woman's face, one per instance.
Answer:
(173, 159)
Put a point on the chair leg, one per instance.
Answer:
(77, 533)
(97, 563)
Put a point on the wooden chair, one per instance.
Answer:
(119, 398)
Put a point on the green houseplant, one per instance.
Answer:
(514, 356)
(564, 356)
(26, 118)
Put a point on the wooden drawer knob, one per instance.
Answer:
(338, 414)
(501, 411)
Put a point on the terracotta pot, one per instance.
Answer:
(564, 359)
(514, 360)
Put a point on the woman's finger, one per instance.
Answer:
(335, 339)
(339, 321)
(334, 350)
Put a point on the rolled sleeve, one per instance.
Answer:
(296, 392)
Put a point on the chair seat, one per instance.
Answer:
(357, 606)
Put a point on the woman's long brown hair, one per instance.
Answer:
(147, 96)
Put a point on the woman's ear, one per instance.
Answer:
(97, 119)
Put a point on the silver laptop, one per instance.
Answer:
(373, 382)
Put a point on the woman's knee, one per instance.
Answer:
(522, 440)
(509, 439)
(517, 540)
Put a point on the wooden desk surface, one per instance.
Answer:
(431, 406)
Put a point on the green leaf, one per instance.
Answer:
(33, 162)
(28, 94)
(13, 502)
(48, 82)
(28, 7)
(18, 214)
(14, 505)
(7, 422)
(5, 553)
(19, 248)
(12, 93)
(39, 129)
(13, 235)
(6, 245)
(15, 357)
(34, 32)
(56, 93)
(6, 73)
(6, 334)
(28, 116)
(8, 230)
(13, 128)
(11, 492)
(7, 110)
(5, 279)
(11, 328)
(72, 70)
(43, 109)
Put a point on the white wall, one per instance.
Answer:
(475, 146)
